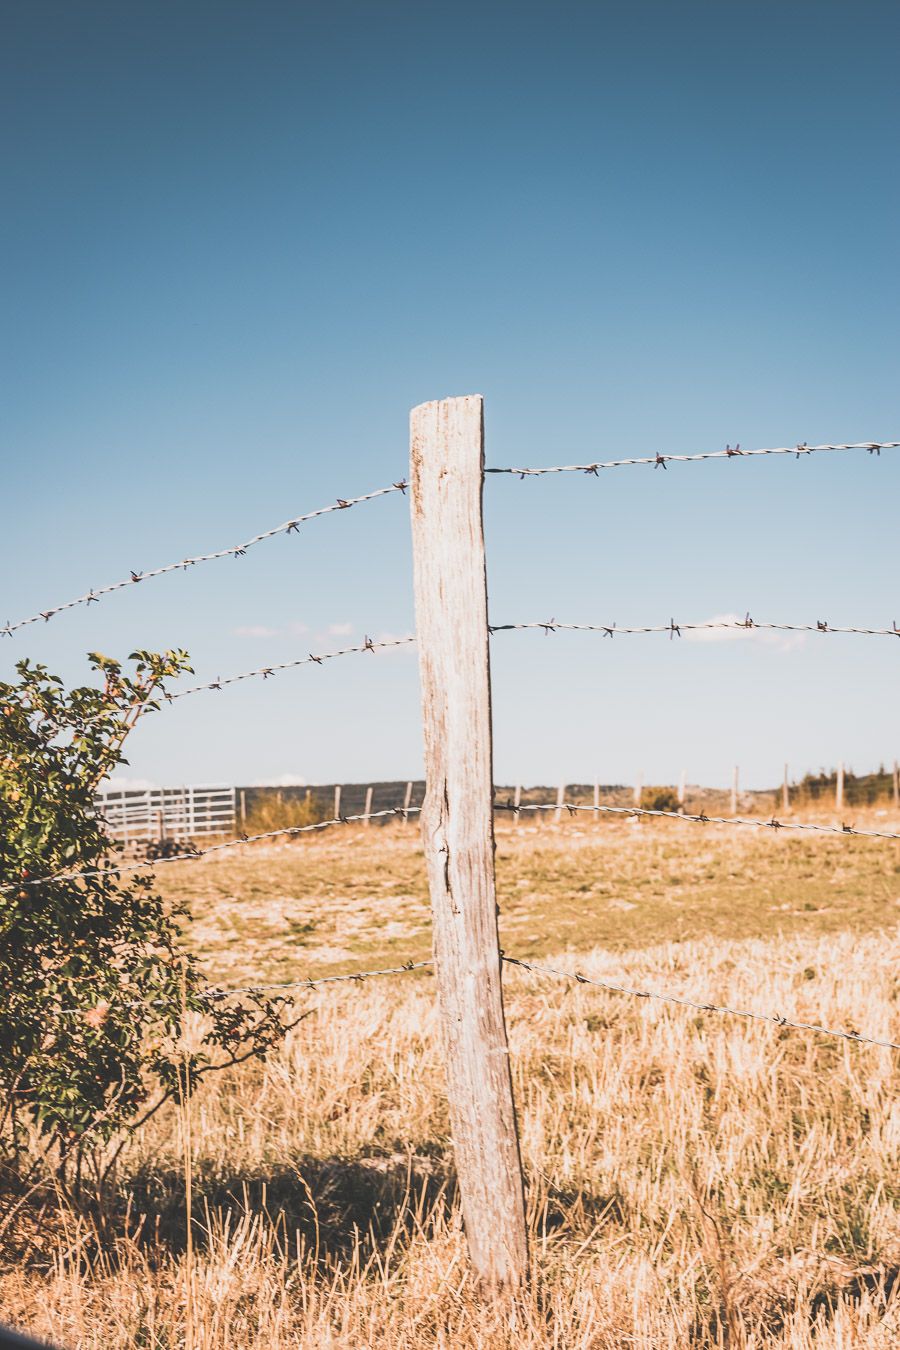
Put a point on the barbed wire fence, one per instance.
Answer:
(672, 629)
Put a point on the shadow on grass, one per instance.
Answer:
(330, 1208)
(728, 1318)
(336, 1205)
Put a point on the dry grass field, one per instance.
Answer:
(693, 1180)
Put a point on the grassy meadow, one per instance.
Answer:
(692, 1180)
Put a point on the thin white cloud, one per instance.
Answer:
(282, 780)
(785, 642)
(339, 629)
(256, 630)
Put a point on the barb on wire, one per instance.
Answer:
(660, 461)
(677, 629)
(701, 819)
(150, 865)
(368, 645)
(237, 551)
(777, 1019)
(215, 993)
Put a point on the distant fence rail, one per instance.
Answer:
(167, 812)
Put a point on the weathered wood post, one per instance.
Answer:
(407, 798)
(785, 792)
(447, 471)
(560, 798)
(839, 788)
(368, 807)
(337, 802)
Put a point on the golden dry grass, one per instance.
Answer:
(359, 896)
(693, 1180)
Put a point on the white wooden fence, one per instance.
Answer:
(168, 812)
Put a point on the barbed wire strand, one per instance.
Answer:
(701, 819)
(659, 461)
(674, 629)
(150, 865)
(403, 812)
(777, 1019)
(237, 551)
(215, 993)
(367, 645)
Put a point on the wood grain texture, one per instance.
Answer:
(446, 476)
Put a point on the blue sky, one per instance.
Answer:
(240, 242)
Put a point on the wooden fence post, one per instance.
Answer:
(337, 802)
(839, 788)
(638, 789)
(560, 798)
(785, 792)
(243, 809)
(596, 803)
(368, 808)
(446, 477)
(407, 798)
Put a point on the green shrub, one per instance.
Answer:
(660, 799)
(273, 812)
(96, 983)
